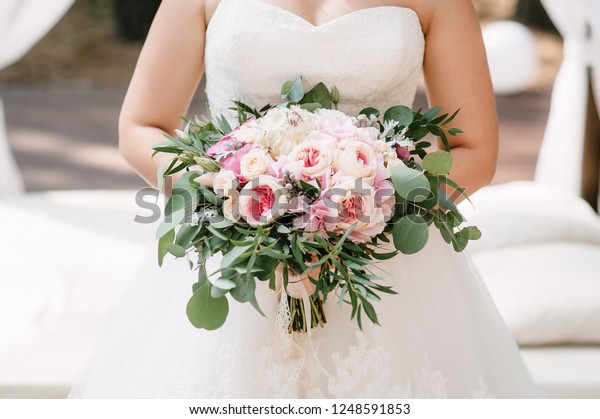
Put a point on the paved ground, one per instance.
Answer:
(66, 138)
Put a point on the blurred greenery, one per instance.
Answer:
(134, 17)
(533, 14)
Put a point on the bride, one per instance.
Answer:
(441, 336)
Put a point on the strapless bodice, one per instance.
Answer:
(373, 56)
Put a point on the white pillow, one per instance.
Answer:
(547, 293)
(527, 212)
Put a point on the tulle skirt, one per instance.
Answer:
(440, 337)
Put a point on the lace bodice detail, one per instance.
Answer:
(373, 56)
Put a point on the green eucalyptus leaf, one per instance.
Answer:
(175, 250)
(224, 284)
(410, 183)
(233, 257)
(166, 238)
(474, 233)
(244, 288)
(286, 89)
(438, 163)
(217, 292)
(256, 306)
(186, 235)
(410, 234)
(297, 91)
(403, 115)
(205, 312)
(319, 94)
(461, 240)
(311, 107)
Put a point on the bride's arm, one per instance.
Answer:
(165, 79)
(457, 76)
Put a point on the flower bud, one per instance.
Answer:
(207, 164)
(335, 95)
(184, 137)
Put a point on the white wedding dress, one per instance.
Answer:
(441, 336)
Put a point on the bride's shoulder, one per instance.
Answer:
(431, 12)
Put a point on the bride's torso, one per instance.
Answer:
(372, 55)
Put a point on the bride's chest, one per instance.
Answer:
(365, 54)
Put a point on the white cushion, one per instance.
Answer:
(548, 293)
(565, 372)
(526, 212)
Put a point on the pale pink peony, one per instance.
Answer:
(341, 126)
(263, 200)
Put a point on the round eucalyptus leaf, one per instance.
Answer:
(206, 312)
(438, 163)
(403, 115)
(410, 234)
(410, 183)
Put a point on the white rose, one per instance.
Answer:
(225, 182)
(254, 163)
(315, 154)
(357, 159)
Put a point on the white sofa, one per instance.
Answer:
(540, 258)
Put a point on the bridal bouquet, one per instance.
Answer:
(306, 198)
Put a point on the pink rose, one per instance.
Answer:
(356, 204)
(322, 217)
(233, 161)
(225, 145)
(315, 155)
(263, 200)
(385, 198)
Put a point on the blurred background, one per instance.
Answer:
(70, 244)
(80, 70)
